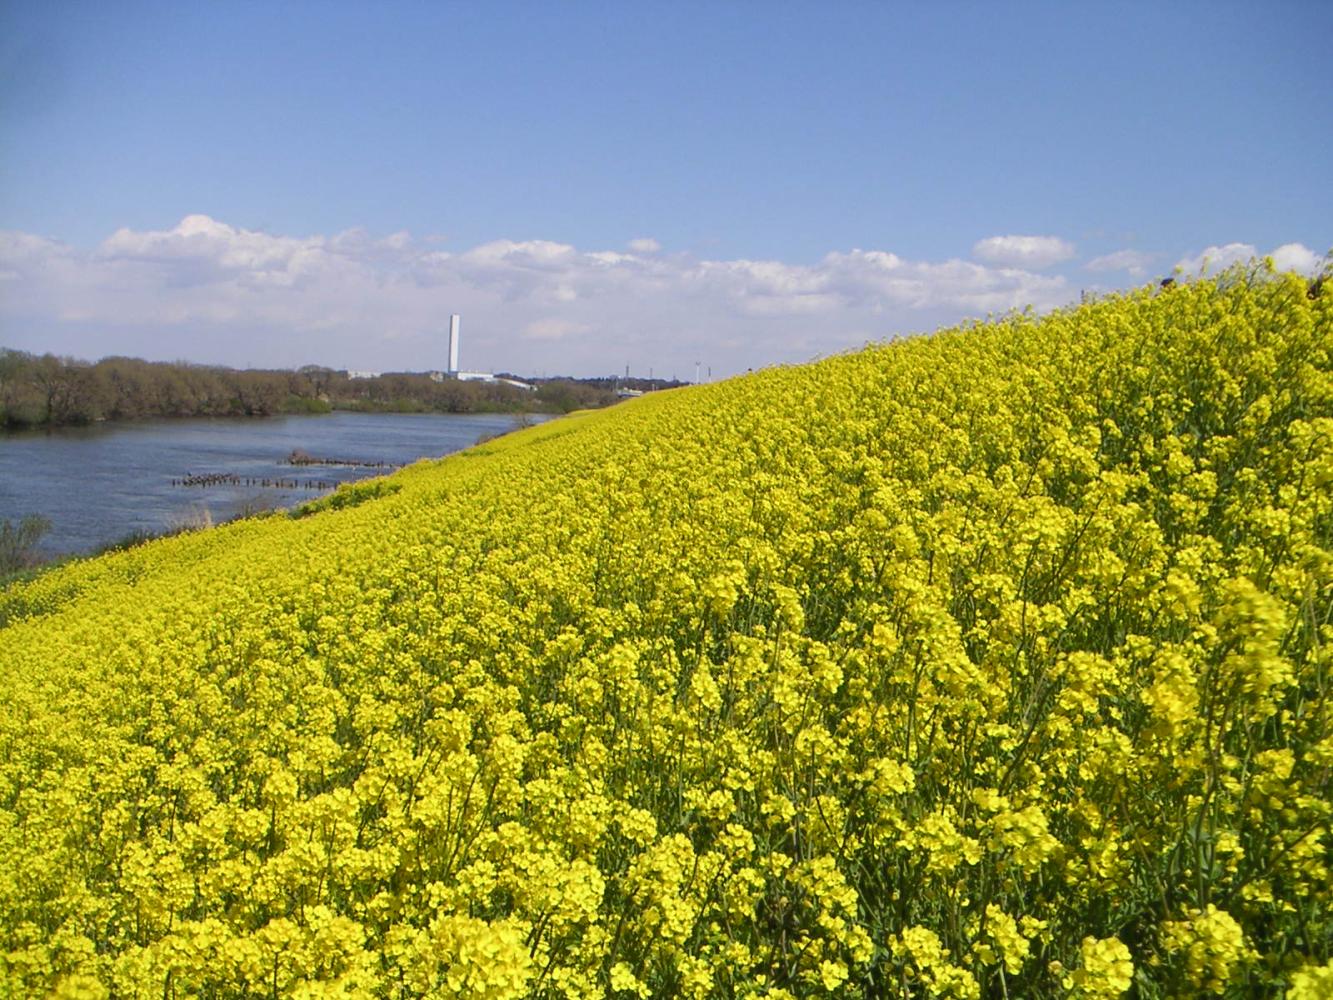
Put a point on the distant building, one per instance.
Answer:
(492, 380)
(360, 374)
(463, 376)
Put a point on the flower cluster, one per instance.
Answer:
(980, 664)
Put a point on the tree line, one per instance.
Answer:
(50, 391)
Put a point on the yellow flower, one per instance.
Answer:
(1106, 970)
(1213, 947)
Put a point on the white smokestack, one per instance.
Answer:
(453, 343)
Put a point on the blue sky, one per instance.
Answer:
(353, 171)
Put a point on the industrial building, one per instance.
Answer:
(463, 376)
(453, 371)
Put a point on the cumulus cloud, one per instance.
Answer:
(1217, 258)
(1134, 262)
(209, 291)
(645, 244)
(1023, 251)
(1295, 257)
(1288, 257)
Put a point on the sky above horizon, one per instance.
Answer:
(595, 185)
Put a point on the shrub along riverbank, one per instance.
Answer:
(48, 391)
(990, 663)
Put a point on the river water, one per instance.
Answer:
(99, 484)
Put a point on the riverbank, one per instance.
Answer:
(46, 391)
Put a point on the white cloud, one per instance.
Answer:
(645, 244)
(1216, 258)
(1295, 257)
(1288, 257)
(1135, 262)
(209, 291)
(1023, 251)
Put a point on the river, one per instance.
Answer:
(97, 485)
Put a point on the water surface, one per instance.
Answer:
(99, 484)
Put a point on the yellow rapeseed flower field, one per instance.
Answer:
(991, 663)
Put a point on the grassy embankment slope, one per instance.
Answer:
(988, 663)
